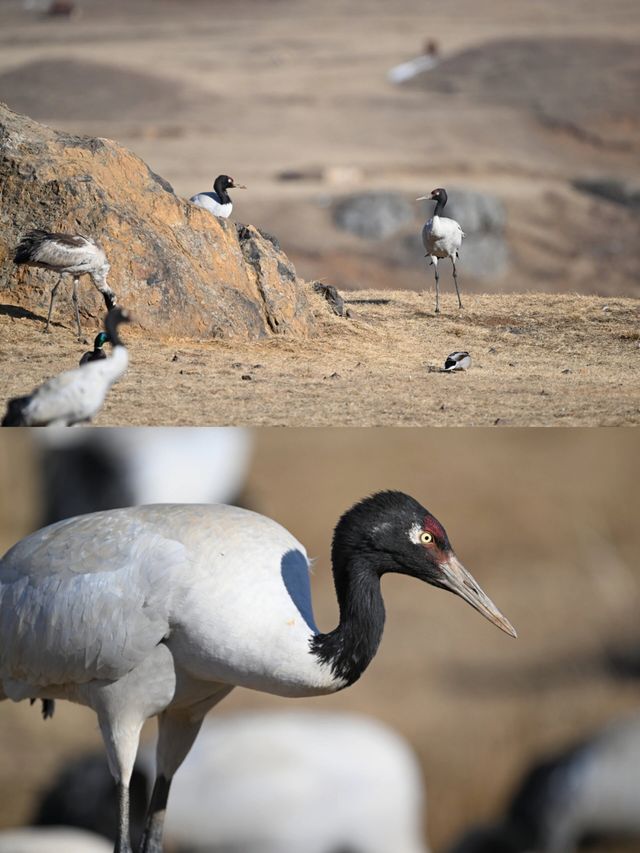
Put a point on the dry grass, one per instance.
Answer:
(372, 369)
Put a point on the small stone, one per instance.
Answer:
(175, 357)
(567, 370)
(246, 376)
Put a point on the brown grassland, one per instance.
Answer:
(564, 360)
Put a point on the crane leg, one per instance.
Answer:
(74, 299)
(435, 268)
(121, 741)
(123, 842)
(53, 296)
(455, 281)
(176, 734)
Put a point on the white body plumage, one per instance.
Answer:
(52, 839)
(211, 202)
(218, 201)
(159, 572)
(442, 237)
(457, 361)
(317, 782)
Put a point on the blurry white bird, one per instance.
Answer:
(592, 789)
(162, 610)
(66, 254)
(55, 839)
(317, 782)
(442, 238)
(219, 201)
(136, 465)
(457, 361)
(76, 395)
(97, 353)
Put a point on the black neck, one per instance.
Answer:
(111, 326)
(350, 648)
(440, 203)
(223, 195)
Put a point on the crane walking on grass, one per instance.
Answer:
(76, 395)
(66, 254)
(442, 238)
(161, 610)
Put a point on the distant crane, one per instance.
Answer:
(66, 254)
(97, 353)
(584, 790)
(457, 361)
(288, 763)
(442, 238)
(161, 610)
(76, 395)
(219, 201)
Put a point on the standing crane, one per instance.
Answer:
(66, 254)
(76, 395)
(162, 610)
(441, 238)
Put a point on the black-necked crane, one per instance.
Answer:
(76, 395)
(162, 610)
(97, 353)
(66, 254)
(590, 789)
(219, 201)
(441, 238)
(457, 361)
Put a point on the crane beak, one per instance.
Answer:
(458, 580)
(239, 187)
(424, 198)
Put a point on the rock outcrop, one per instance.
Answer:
(179, 269)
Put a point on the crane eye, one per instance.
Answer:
(426, 538)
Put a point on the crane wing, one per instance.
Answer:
(85, 598)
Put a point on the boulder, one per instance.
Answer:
(178, 268)
(373, 215)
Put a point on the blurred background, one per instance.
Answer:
(337, 115)
(545, 519)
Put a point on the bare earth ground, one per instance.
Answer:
(562, 360)
(547, 522)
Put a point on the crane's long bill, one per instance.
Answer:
(458, 580)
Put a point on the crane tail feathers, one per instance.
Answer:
(15, 412)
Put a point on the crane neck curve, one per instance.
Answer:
(440, 203)
(220, 189)
(352, 645)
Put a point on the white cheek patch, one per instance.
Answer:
(414, 533)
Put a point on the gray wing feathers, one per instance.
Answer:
(53, 621)
(60, 254)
